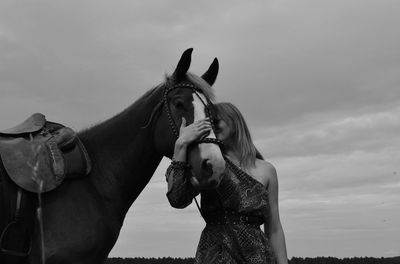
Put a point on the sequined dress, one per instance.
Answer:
(238, 192)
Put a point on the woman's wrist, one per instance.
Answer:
(180, 150)
(181, 143)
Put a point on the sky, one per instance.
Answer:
(317, 81)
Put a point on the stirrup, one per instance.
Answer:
(10, 251)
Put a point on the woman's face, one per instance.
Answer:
(223, 130)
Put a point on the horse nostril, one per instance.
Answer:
(207, 168)
(213, 183)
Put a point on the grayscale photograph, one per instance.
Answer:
(199, 132)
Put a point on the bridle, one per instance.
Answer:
(206, 104)
(208, 113)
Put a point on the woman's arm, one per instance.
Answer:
(274, 228)
(180, 192)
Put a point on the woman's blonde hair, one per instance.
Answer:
(240, 133)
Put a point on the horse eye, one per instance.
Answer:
(179, 105)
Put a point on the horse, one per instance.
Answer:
(82, 218)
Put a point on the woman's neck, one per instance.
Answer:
(233, 155)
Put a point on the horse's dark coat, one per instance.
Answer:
(83, 217)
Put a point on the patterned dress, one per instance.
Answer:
(238, 192)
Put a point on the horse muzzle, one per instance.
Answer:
(208, 174)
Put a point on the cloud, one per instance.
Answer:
(339, 180)
(337, 133)
(317, 82)
(316, 57)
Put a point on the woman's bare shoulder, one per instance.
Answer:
(266, 172)
(265, 166)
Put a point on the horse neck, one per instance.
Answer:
(123, 155)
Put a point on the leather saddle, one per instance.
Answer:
(39, 150)
(36, 156)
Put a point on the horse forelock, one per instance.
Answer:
(199, 82)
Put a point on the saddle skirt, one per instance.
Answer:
(38, 150)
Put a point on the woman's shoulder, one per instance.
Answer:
(265, 171)
(265, 166)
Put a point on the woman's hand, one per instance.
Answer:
(188, 134)
(194, 131)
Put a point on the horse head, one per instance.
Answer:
(190, 96)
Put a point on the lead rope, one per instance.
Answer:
(199, 208)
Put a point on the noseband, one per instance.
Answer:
(206, 104)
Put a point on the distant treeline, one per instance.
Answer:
(149, 261)
(356, 260)
(294, 260)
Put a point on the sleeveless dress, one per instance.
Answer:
(238, 192)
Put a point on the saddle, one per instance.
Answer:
(36, 156)
(38, 149)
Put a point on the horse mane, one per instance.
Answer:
(91, 131)
(169, 81)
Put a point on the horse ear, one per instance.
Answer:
(183, 65)
(211, 74)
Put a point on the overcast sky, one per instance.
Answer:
(317, 80)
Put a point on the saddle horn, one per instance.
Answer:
(211, 74)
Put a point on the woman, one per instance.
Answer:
(246, 198)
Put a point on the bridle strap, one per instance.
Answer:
(216, 141)
(167, 90)
(208, 113)
(172, 123)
